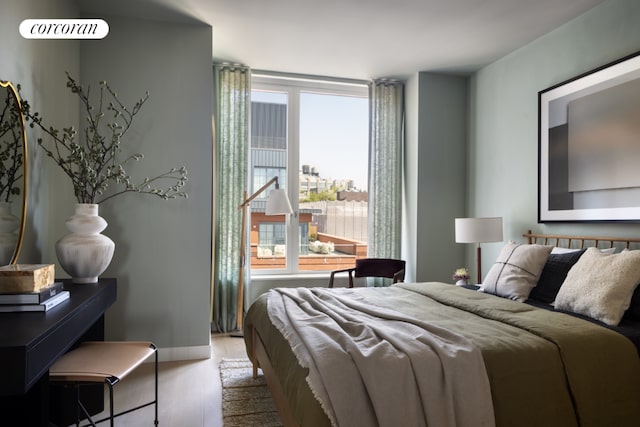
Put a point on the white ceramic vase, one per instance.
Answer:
(85, 253)
(9, 223)
(461, 282)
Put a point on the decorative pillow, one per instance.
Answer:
(553, 274)
(559, 250)
(600, 285)
(516, 271)
(633, 312)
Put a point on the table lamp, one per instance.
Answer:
(478, 230)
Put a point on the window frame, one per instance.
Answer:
(294, 85)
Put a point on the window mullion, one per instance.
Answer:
(293, 154)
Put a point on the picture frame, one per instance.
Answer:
(589, 146)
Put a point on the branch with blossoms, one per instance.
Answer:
(11, 147)
(96, 161)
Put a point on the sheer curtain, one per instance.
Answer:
(386, 140)
(233, 92)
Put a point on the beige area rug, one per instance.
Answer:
(246, 401)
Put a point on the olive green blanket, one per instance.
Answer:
(544, 368)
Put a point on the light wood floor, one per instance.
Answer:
(189, 392)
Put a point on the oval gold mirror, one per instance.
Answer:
(13, 174)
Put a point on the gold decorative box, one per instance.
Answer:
(19, 278)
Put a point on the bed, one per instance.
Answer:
(488, 357)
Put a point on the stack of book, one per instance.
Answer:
(29, 287)
(43, 300)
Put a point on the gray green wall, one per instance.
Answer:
(163, 248)
(435, 174)
(37, 66)
(503, 120)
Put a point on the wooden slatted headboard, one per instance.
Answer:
(580, 242)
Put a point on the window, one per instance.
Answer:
(261, 175)
(312, 135)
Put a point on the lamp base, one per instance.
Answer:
(479, 264)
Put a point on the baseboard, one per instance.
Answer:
(173, 354)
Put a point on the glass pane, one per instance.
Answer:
(268, 159)
(333, 180)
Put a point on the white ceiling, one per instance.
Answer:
(360, 39)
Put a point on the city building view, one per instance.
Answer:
(331, 214)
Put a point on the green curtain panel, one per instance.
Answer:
(233, 92)
(386, 141)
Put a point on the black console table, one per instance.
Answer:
(31, 342)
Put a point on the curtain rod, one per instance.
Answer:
(307, 77)
(241, 67)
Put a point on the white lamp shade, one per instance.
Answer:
(278, 203)
(478, 230)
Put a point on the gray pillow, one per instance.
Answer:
(516, 271)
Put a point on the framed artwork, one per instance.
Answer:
(589, 146)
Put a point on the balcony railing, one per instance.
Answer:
(345, 252)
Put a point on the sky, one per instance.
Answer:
(334, 134)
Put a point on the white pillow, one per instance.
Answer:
(600, 285)
(558, 250)
(516, 271)
(608, 251)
